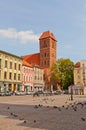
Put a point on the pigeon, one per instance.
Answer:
(83, 119)
(40, 105)
(54, 106)
(11, 113)
(25, 121)
(34, 121)
(8, 108)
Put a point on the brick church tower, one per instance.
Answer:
(47, 43)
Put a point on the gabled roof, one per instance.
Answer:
(77, 65)
(10, 54)
(32, 58)
(47, 34)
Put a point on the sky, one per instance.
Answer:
(23, 21)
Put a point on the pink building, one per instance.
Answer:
(27, 76)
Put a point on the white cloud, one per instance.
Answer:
(22, 36)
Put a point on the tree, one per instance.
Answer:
(62, 73)
(55, 76)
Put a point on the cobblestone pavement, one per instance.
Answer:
(42, 113)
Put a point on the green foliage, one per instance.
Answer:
(62, 73)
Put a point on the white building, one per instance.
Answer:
(77, 89)
(38, 78)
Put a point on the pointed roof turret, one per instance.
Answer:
(47, 34)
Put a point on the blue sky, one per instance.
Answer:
(23, 21)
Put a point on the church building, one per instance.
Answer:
(46, 56)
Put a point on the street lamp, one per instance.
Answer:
(71, 92)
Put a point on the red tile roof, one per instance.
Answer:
(26, 64)
(32, 58)
(77, 65)
(46, 35)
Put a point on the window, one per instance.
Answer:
(18, 76)
(15, 66)
(5, 75)
(10, 75)
(83, 65)
(31, 78)
(5, 64)
(14, 76)
(83, 72)
(10, 65)
(19, 66)
(53, 45)
(45, 54)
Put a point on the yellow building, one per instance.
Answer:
(80, 72)
(10, 72)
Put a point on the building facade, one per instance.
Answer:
(10, 72)
(80, 72)
(27, 77)
(38, 78)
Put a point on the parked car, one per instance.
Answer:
(8, 93)
(38, 93)
(48, 93)
(29, 92)
(20, 93)
(57, 92)
(2, 94)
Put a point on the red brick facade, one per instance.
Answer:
(47, 44)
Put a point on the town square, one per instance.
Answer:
(42, 65)
(56, 112)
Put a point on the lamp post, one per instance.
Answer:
(71, 92)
